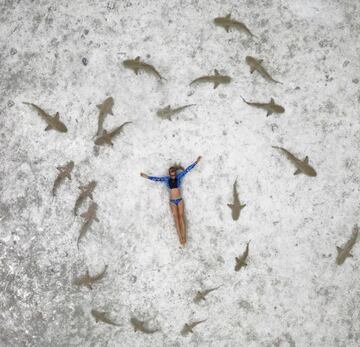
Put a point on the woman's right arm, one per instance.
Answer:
(155, 178)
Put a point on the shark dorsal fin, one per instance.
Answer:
(260, 61)
(339, 249)
(306, 160)
(168, 107)
(272, 101)
(105, 132)
(137, 58)
(228, 16)
(216, 72)
(57, 116)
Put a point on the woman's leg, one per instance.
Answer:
(182, 222)
(175, 213)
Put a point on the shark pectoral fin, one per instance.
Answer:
(231, 206)
(136, 70)
(339, 249)
(252, 69)
(260, 60)
(48, 127)
(216, 84)
(306, 160)
(244, 264)
(242, 206)
(298, 171)
(350, 255)
(269, 113)
(227, 28)
(89, 286)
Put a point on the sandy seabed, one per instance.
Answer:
(291, 293)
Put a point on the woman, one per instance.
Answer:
(173, 182)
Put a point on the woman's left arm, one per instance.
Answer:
(190, 167)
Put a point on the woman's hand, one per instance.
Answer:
(143, 175)
(198, 159)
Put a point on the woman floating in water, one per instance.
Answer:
(173, 182)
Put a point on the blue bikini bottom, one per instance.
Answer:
(175, 201)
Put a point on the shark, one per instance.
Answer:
(236, 206)
(86, 191)
(270, 107)
(256, 64)
(227, 22)
(200, 295)
(344, 252)
(101, 317)
(302, 166)
(241, 261)
(140, 325)
(53, 122)
(188, 327)
(167, 112)
(104, 109)
(136, 65)
(89, 216)
(106, 136)
(87, 280)
(64, 172)
(217, 79)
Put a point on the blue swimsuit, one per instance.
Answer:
(173, 183)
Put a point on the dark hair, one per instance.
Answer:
(172, 168)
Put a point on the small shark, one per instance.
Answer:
(141, 326)
(64, 171)
(106, 137)
(302, 166)
(87, 280)
(101, 317)
(344, 252)
(255, 64)
(241, 261)
(270, 107)
(227, 22)
(136, 65)
(104, 109)
(236, 207)
(86, 191)
(188, 328)
(200, 295)
(167, 112)
(89, 216)
(216, 79)
(52, 122)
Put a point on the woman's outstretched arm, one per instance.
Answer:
(190, 167)
(155, 178)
